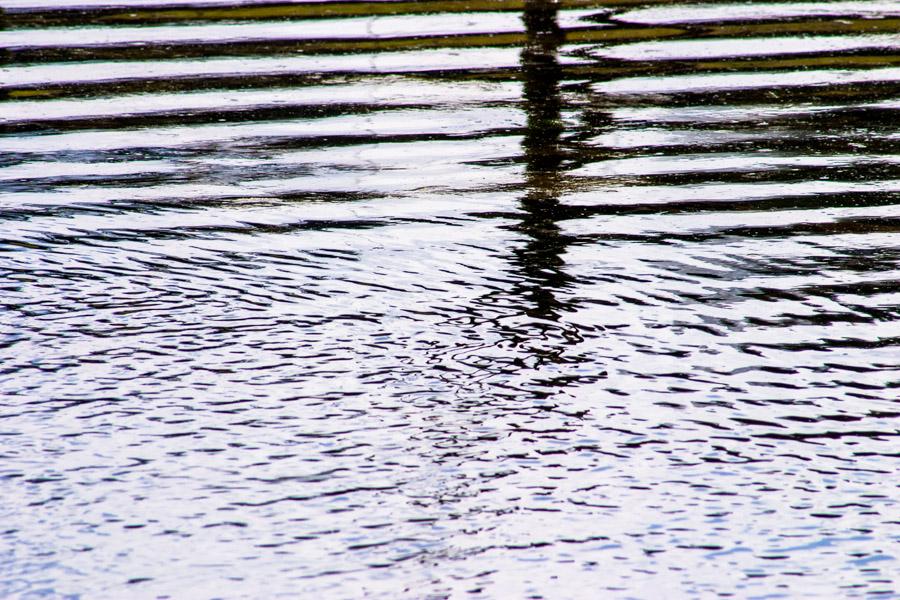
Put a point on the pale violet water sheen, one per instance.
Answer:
(449, 299)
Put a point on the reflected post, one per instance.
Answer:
(540, 260)
(541, 74)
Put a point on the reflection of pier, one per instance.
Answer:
(540, 261)
(537, 265)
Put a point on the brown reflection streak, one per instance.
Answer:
(540, 261)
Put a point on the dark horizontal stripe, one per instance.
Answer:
(856, 226)
(605, 69)
(198, 12)
(587, 34)
(780, 94)
(188, 117)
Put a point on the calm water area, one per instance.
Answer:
(449, 299)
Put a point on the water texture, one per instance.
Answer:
(455, 299)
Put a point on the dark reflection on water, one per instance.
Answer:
(515, 299)
(541, 261)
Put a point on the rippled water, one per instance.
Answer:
(449, 299)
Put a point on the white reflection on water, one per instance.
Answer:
(500, 321)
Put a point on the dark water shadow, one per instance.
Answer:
(537, 264)
(540, 261)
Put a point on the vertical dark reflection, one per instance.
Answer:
(537, 264)
(540, 261)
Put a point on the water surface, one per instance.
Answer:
(449, 299)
